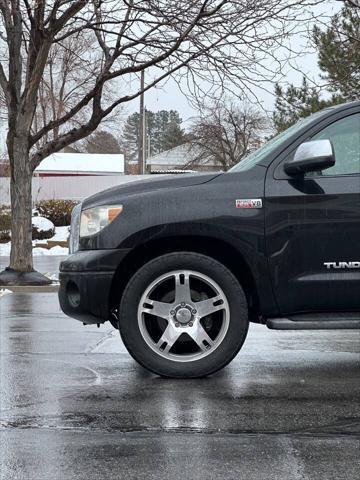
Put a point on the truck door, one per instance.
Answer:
(313, 228)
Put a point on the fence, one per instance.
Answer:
(68, 188)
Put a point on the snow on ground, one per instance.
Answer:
(61, 234)
(51, 251)
(54, 277)
(5, 249)
(4, 291)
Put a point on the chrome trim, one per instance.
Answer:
(75, 229)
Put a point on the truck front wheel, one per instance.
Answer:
(183, 315)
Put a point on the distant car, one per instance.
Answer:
(182, 264)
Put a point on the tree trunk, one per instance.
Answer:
(21, 208)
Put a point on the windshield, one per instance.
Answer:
(255, 157)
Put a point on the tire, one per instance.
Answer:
(183, 315)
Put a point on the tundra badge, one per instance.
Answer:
(342, 264)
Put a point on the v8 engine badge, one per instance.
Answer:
(249, 203)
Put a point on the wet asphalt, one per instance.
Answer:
(74, 405)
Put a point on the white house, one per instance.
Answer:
(81, 164)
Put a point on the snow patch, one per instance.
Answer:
(50, 251)
(5, 249)
(59, 250)
(110, 163)
(54, 277)
(42, 224)
(61, 235)
(4, 291)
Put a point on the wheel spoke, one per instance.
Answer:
(168, 338)
(159, 309)
(198, 334)
(209, 306)
(183, 316)
(182, 288)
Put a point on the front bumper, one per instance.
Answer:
(85, 284)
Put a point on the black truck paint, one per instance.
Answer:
(278, 252)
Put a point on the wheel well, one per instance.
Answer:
(217, 249)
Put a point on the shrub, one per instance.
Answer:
(5, 224)
(42, 228)
(57, 211)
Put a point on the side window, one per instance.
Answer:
(344, 134)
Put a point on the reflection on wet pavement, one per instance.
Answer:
(75, 405)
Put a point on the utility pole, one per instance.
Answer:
(142, 128)
(144, 141)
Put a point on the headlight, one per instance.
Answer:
(95, 219)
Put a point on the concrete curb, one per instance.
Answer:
(32, 289)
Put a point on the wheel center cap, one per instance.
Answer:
(183, 315)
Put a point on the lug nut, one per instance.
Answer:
(194, 311)
(172, 312)
(191, 324)
(177, 324)
(183, 304)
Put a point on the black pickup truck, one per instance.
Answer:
(182, 264)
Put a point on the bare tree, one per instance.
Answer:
(352, 3)
(226, 132)
(222, 41)
(67, 76)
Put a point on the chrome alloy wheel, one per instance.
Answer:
(183, 315)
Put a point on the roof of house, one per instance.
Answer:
(179, 156)
(90, 163)
(167, 171)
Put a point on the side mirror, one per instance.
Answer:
(311, 156)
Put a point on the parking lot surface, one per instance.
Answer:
(74, 405)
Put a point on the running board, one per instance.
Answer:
(321, 321)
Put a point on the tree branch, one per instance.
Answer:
(106, 75)
(56, 24)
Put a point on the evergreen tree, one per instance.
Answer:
(163, 132)
(339, 53)
(294, 103)
(160, 127)
(130, 137)
(150, 125)
(173, 135)
(339, 60)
